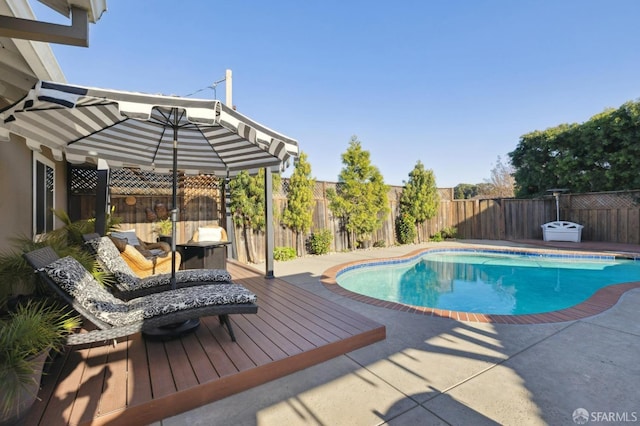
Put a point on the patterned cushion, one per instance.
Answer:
(165, 302)
(213, 276)
(76, 281)
(110, 258)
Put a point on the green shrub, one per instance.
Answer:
(437, 237)
(449, 232)
(320, 242)
(379, 243)
(405, 229)
(444, 234)
(284, 253)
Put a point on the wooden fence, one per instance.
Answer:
(609, 216)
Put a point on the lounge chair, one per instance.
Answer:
(128, 285)
(115, 318)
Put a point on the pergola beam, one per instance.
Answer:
(75, 35)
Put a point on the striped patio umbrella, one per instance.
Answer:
(129, 129)
(152, 132)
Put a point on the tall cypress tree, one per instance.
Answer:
(298, 214)
(420, 198)
(360, 198)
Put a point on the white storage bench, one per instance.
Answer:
(562, 231)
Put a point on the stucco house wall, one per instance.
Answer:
(22, 63)
(16, 194)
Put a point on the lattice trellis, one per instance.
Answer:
(82, 180)
(127, 181)
(603, 200)
(200, 186)
(139, 182)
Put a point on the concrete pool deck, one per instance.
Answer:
(440, 371)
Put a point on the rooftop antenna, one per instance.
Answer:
(228, 87)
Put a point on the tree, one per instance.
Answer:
(502, 183)
(601, 154)
(360, 198)
(247, 203)
(298, 214)
(465, 191)
(420, 197)
(536, 160)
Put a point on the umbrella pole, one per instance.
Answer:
(172, 331)
(174, 210)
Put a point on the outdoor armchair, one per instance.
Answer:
(148, 250)
(128, 285)
(144, 267)
(144, 259)
(114, 318)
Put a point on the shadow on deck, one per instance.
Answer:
(139, 381)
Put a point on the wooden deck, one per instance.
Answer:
(139, 381)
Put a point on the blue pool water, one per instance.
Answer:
(489, 282)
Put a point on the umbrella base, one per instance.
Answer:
(172, 331)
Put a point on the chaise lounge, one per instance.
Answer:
(116, 318)
(128, 285)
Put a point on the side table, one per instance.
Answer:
(203, 255)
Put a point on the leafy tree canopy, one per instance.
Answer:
(465, 191)
(601, 154)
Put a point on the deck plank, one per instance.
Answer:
(236, 354)
(200, 362)
(90, 392)
(162, 382)
(180, 363)
(222, 365)
(141, 381)
(53, 371)
(115, 379)
(62, 399)
(139, 384)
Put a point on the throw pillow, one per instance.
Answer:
(209, 234)
(120, 243)
(129, 235)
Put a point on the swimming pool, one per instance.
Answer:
(488, 282)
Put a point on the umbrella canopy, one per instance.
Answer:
(129, 129)
(153, 132)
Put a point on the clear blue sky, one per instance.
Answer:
(451, 83)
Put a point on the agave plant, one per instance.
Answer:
(27, 334)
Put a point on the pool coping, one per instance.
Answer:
(599, 302)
